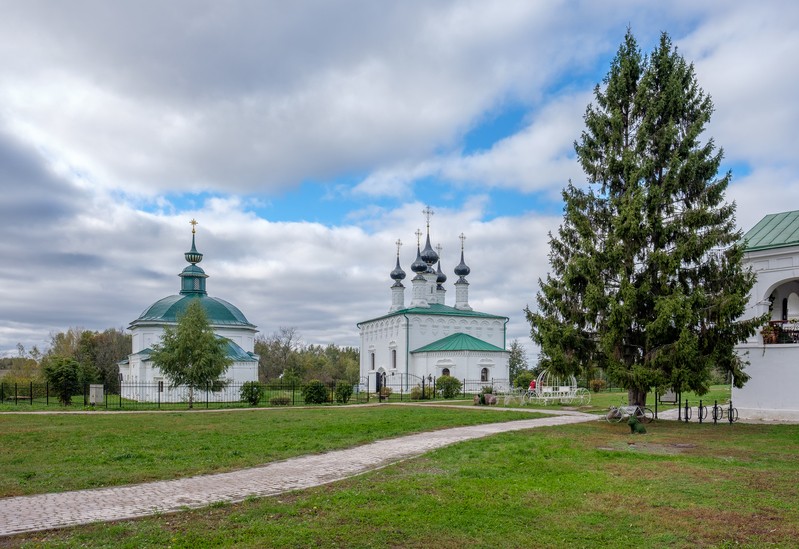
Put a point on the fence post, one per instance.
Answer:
(16, 395)
(31, 393)
(207, 394)
(686, 410)
(700, 411)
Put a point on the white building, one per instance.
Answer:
(772, 251)
(427, 338)
(142, 380)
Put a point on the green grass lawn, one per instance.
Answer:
(54, 453)
(588, 485)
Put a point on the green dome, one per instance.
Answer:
(167, 310)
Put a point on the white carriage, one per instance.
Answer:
(551, 388)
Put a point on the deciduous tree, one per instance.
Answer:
(191, 354)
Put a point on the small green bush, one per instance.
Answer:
(416, 392)
(523, 379)
(314, 392)
(448, 386)
(343, 392)
(252, 392)
(280, 400)
(597, 385)
(64, 375)
(487, 390)
(385, 392)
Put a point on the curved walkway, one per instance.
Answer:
(47, 511)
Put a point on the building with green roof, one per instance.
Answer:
(142, 379)
(772, 252)
(427, 338)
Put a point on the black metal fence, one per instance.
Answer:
(157, 396)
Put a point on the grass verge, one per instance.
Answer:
(58, 452)
(589, 485)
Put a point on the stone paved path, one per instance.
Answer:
(46, 511)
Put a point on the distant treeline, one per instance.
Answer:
(283, 355)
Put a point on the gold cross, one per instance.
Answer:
(418, 237)
(463, 238)
(428, 212)
(193, 223)
(399, 245)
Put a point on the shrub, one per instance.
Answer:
(416, 392)
(252, 392)
(280, 400)
(343, 392)
(597, 385)
(448, 386)
(523, 379)
(487, 390)
(385, 392)
(315, 392)
(65, 377)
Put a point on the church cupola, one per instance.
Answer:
(193, 277)
(441, 278)
(462, 286)
(397, 289)
(419, 282)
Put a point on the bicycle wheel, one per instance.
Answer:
(613, 415)
(584, 396)
(647, 416)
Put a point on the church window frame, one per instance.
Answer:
(484, 374)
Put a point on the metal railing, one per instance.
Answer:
(157, 396)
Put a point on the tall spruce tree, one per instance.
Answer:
(191, 354)
(647, 280)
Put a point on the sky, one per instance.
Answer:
(306, 138)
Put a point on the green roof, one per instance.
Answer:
(459, 342)
(436, 309)
(774, 231)
(232, 351)
(167, 310)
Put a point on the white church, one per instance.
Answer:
(427, 338)
(142, 380)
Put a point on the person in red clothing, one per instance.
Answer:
(532, 385)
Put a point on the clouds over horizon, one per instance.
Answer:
(307, 137)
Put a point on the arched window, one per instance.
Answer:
(394, 359)
(484, 374)
(792, 307)
(445, 372)
(372, 358)
(785, 309)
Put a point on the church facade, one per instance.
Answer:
(772, 252)
(142, 380)
(427, 338)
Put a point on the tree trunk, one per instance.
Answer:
(636, 397)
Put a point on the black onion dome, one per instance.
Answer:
(441, 276)
(397, 274)
(418, 266)
(462, 269)
(429, 255)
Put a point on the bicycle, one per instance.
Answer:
(618, 413)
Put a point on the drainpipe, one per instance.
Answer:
(407, 350)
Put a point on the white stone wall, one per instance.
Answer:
(773, 390)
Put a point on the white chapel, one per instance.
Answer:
(427, 338)
(141, 379)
